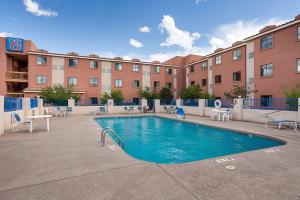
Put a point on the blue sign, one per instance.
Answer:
(14, 44)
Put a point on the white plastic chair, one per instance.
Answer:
(214, 114)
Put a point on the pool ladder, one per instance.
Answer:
(105, 131)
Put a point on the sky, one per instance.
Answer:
(145, 29)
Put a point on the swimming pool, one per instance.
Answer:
(167, 141)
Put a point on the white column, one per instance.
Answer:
(110, 105)
(178, 102)
(157, 105)
(1, 115)
(237, 112)
(201, 107)
(71, 104)
(41, 106)
(144, 103)
(26, 107)
(298, 109)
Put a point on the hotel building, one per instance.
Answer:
(267, 62)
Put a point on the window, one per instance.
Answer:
(135, 67)
(266, 42)
(169, 71)
(218, 79)
(94, 64)
(218, 60)
(298, 32)
(298, 65)
(156, 84)
(236, 54)
(156, 69)
(93, 82)
(41, 60)
(72, 62)
(72, 81)
(192, 83)
(41, 80)
(266, 70)
(236, 76)
(118, 66)
(204, 65)
(266, 100)
(169, 85)
(135, 83)
(203, 82)
(118, 83)
(251, 55)
(192, 69)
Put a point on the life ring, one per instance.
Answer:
(218, 104)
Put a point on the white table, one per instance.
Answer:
(31, 118)
(221, 113)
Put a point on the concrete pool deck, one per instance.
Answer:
(69, 163)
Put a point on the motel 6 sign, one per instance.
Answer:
(14, 44)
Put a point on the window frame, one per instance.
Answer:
(193, 83)
(118, 81)
(156, 87)
(220, 79)
(298, 65)
(266, 66)
(266, 47)
(156, 67)
(44, 78)
(240, 75)
(169, 85)
(74, 61)
(94, 85)
(94, 67)
(204, 65)
(74, 78)
(218, 61)
(169, 71)
(41, 56)
(137, 85)
(192, 69)
(298, 32)
(118, 67)
(134, 69)
(204, 79)
(238, 55)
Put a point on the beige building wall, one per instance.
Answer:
(106, 77)
(175, 83)
(210, 78)
(250, 66)
(58, 71)
(146, 76)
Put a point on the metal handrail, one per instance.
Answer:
(107, 129)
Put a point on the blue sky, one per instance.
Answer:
(117, 27)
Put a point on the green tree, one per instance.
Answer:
(239, 91)
(117, 94)
(191, 92)
(148, 94)
(166, 93)
(293, 92)
(104, 97)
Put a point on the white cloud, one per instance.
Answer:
(200, 1)
(176, 36)
(227, 34)
(5, 34)
(144, 29)
(33, 7)
(135, 43)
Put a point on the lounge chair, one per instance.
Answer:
(140, 109)
(280, 123)
(102, 110)
(180, 113)
(16, 122)
(126, 110)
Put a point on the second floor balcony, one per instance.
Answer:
(13, 76)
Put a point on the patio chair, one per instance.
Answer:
(126, 110)
(172, 110)
(166, 109)
(227, 115)
(69, 110)
(102, 110)
(140, 109)
(280, 123)
(214, 114)
(131, 110)
(16, 122)
(59, 112)
(180, 113)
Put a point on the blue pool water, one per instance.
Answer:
(162, 140)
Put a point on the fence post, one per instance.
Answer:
(298, 109)
(71, 104)
(201, 106)
(41, 106)
(26, 106)
(157, 105)
(1, 115)
(110, 105)
(178, 102)
(237, 113)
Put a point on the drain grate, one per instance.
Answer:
(230, 167)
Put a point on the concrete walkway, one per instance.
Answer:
(68, 163)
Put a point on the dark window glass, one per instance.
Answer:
(266, 100)
(266, 42)
(192, 69)
(218, 79)
(266, 70)
(203, 82)
(192, 82)
(236, 76)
